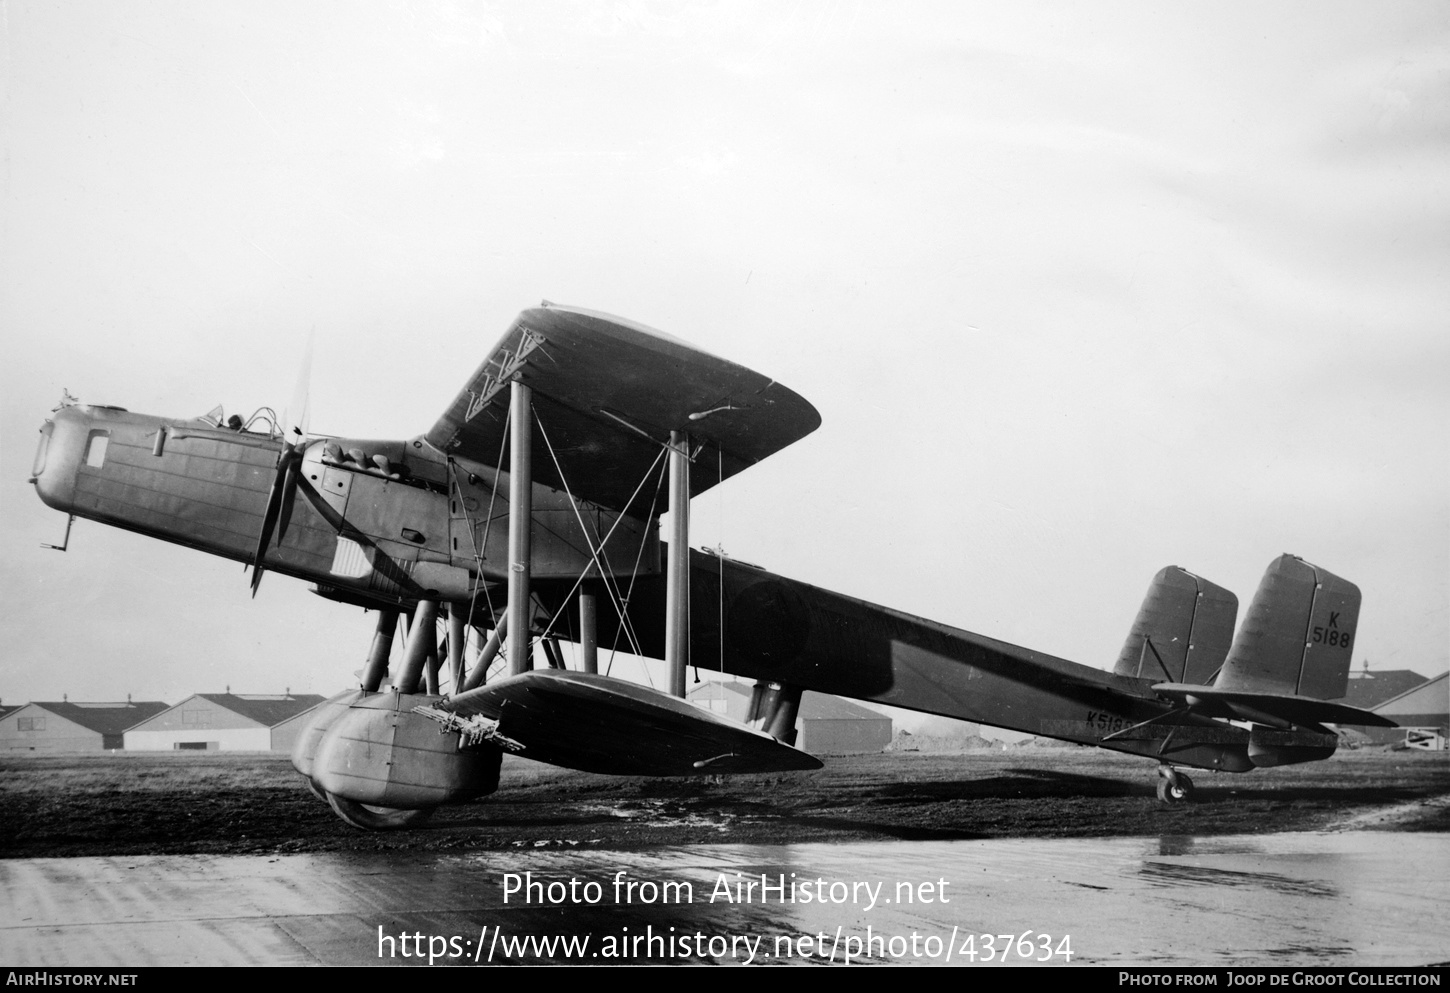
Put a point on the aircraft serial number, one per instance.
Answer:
(1107, 723)
(1330, 634)
(1331, 637)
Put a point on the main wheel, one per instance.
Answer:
(1174, 787)
(371, 818)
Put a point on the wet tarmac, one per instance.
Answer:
(1352, 898)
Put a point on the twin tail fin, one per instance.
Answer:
(1288, 662)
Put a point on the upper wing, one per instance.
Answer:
(607, 393)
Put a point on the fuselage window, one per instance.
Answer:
(39, 465)
(96, 448)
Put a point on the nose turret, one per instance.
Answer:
(62, 448)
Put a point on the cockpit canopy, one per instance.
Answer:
(263, 421)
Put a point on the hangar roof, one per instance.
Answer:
(104, 718)
(814, 706)
(269, 710)
(824, 707)
(1368, 690)
(1427, 698)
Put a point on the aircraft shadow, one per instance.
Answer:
(1026, 800)
(1016, 784)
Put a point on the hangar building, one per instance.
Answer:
(1422, 713)
(1367, 690)
(828, 725)
(227, 722)
(72, 727)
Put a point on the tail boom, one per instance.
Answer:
(753, 623)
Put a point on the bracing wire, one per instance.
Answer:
(604, 574)
(720, 478)
(654, 502)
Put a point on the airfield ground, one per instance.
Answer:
(155, 804)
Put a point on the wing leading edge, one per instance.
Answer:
(598, 724)
(607, 393)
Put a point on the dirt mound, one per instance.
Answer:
(905, 741)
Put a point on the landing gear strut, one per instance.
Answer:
(1173, 786)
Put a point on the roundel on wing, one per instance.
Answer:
(768, 622)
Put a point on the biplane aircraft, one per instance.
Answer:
(530, 513)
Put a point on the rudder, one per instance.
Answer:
(1183, 630)
(1298, 635)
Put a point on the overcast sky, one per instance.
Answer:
(1080, 290)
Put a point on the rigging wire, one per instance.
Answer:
(720, 618)
(604, 574)
(654, 502)
(619, 600)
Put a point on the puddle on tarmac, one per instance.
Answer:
(1344, 898)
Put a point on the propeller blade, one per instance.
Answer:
(283, 487)
(289, 493)
(280, 498)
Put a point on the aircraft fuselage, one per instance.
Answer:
(387, 523)
(375, 522)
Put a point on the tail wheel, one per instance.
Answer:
(371, 818)
(1174, 786)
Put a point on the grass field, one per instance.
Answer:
(244, 803)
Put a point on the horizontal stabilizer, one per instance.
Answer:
(1183, 630)
(599, 724)
(1268, 708)
(1297, 637)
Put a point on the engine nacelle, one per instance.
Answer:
(1268, 748)
(372, 749)
(305, 750)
